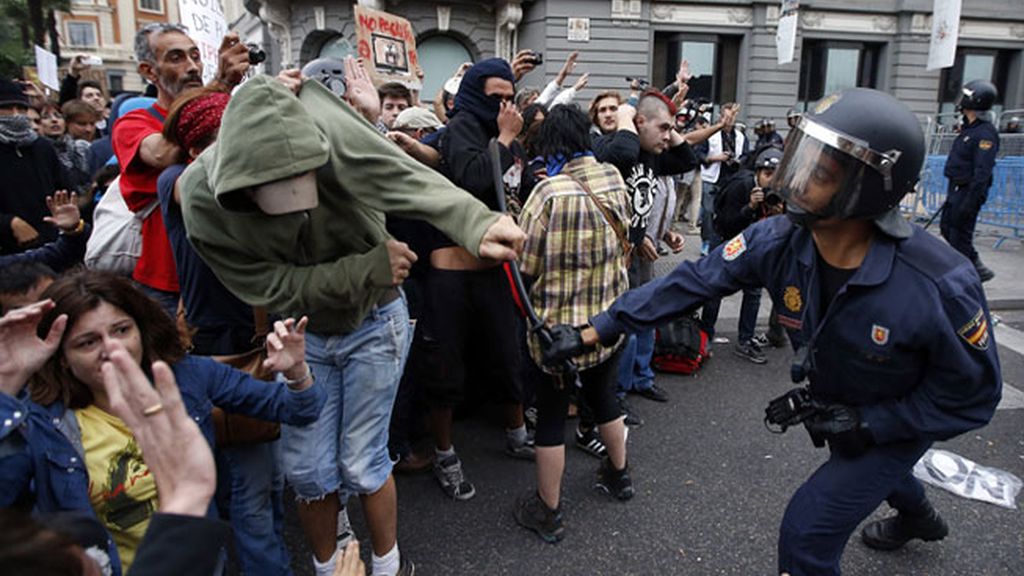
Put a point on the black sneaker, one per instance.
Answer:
(984, 272)
(590, 442)
(532, 513)
(449, 475)
(614, 482)
(655, 392)
(632, 417)
(750, 351)
(893, 532)
(406, 568)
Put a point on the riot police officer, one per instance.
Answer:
(969, 170)
(890, 325)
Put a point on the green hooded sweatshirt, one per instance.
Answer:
(330, 262)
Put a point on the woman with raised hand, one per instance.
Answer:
(71, 452)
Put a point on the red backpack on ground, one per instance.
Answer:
(680, 347)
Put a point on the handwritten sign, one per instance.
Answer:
(207, 27)
(387, 45)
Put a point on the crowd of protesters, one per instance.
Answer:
(362, 245)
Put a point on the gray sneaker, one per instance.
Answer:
(449, 475)
(523, 451)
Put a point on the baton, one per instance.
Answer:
(534, 323)
(936, 215)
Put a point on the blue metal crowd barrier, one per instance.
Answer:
(1005, 205)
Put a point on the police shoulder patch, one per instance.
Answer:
(975, 332)
(734, 248)
(985, 144)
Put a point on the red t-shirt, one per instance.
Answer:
(155, 267)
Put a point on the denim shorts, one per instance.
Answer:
(346, 448)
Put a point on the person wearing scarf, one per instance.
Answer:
(29, 172)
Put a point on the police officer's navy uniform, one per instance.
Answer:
(906, 340)
(969, 170)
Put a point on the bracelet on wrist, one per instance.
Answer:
(78, 229)
(299, 381)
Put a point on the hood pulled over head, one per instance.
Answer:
(266, 135)
(471, 98)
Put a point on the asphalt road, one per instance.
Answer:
(712, 485)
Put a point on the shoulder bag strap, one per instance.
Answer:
(621, 234)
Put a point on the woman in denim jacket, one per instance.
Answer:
(61, 450)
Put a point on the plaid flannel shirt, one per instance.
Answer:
(572, 251)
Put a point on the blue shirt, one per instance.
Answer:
(908, 339)
(207, 302)
(41, 456)
(973, 156)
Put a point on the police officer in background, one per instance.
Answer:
(889, 324)
(969, 170)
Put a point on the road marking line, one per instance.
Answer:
(1013, 399)
(1010, 338)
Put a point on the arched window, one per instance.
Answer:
(439, 55)
(338, 47)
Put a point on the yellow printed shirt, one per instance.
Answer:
(121, 489)
(572, 251)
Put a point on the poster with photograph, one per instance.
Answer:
(579, 30)
(387, 45)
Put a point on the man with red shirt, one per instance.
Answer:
(169, 60)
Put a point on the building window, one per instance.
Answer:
(973, 64)
(115, 82)
(828, 67)
(714, 63)
(439, 56)
(81, 33)
(338, 47)
(152, 5)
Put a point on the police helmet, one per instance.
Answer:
(328, 71)
(977, 95)
(841, 162)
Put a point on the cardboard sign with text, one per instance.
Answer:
(387, 45)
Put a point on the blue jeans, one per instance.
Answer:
(346, 449)
(709, 312)
(748, 313)
(255, 507)
(635, 373)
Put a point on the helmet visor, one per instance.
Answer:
(823, 171)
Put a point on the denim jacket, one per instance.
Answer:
(41, 457)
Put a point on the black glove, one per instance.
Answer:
(841, 426)
(560, 343)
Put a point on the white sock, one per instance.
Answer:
(388, 564)
(445, 453)
(517, 435)
(327, 568)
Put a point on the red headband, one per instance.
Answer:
(200, 119)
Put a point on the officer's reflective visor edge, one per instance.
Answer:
(817, 179)
(881, 162)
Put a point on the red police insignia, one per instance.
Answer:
(985, 144)
(734, 248)
(879, 334)
(975, 332)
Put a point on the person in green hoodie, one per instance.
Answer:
(288, 209)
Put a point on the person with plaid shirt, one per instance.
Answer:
(575, 261)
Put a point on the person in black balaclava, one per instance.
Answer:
(470, 294)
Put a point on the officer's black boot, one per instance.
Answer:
(893, 532)
(984, 272)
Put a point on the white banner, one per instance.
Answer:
(206, 27)
(46, 67)
(785, 35)
(945, 31)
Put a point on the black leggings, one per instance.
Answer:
(598, 391)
